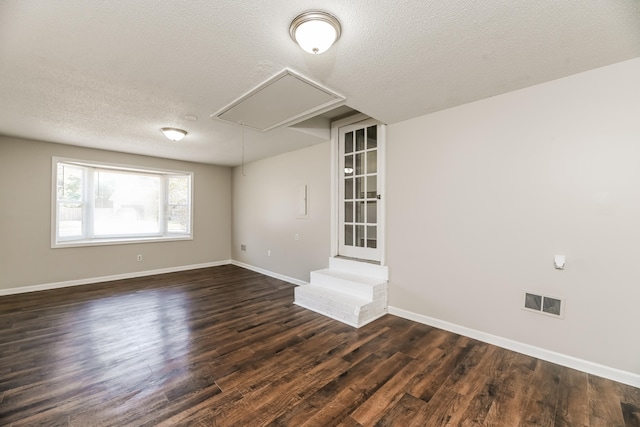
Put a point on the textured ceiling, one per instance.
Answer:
(110, 74)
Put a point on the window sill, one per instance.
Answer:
(117, 241)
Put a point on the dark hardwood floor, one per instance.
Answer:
(225, 346)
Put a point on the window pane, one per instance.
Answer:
(348, 142)
(372, 137)
(178, 212)
(126, 204)
(360, 140)
(179, 191)
(70, 182)
(69, 219)
(178, 219)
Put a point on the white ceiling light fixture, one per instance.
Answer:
(174, 134)
(315, 31)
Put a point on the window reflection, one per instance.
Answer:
(112, 333)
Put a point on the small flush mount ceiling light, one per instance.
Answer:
(174, 134)
(315, 31)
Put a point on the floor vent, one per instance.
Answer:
(551, 306)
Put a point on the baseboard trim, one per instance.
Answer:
(537, 352)
(269, 273)
(88, 281)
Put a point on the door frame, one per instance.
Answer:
(335, 181)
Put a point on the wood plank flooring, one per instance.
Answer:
(225, 346)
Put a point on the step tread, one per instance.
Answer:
(344, 275)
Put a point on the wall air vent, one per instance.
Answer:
(541, 304)
(284, 99)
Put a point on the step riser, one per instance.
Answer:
(354, 288)
(350, 314)
(362, 268)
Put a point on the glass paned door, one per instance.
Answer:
(359, 203)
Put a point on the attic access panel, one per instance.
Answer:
(284, 99)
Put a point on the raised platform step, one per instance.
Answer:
(349, 309)
(349, 291)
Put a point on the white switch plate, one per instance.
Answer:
(303, 206)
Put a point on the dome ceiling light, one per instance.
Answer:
(174, 134)
(315, 31)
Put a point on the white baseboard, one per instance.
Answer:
(270, 273)
(78, 282)
(537, 352)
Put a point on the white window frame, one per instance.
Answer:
(88, 202)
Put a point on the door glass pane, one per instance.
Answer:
(360, 140)
(348, 142)
(360, 187)
(359, 165)
(348, 235)
(348, 189)
(348, 165)
(372, 211)
(372, 137)
(348, 211)
(372, 186)
(372, 241)
(372, 161)
(359, 211)
(360, 236)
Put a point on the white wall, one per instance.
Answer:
(26, 257)
(481, 197)
(265, 208)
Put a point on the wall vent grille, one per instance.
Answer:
(542, 304)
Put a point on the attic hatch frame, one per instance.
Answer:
(259, 101)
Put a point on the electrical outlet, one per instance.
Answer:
(268, 253)
(243, 247)
(139, 258)
(296, 237)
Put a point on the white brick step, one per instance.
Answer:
(352, 292)
(350, 309)
(354, 284)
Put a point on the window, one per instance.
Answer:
(97, 203)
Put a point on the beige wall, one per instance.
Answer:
(481, 197)
(26, 257)
(264, 212)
